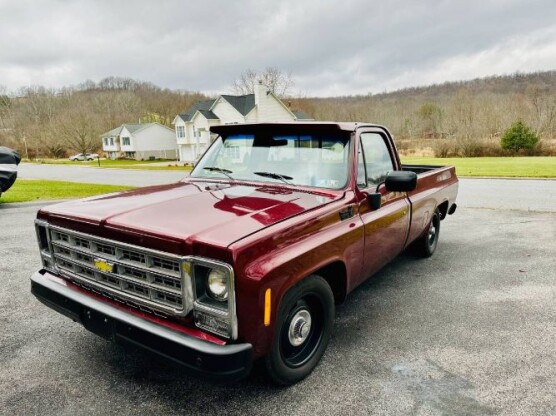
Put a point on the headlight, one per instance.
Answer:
(214, 306)
(217, 284)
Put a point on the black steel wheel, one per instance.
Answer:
(425, 246)
(304, 324)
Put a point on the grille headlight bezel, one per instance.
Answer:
(217, 315)
(211, 311)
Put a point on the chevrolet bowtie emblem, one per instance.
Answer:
(103, 265)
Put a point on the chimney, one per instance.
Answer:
(260, 92)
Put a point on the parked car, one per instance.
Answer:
(9, 159)
(83, 156)
(246, 258)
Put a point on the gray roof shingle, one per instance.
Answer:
(242, 103)
(203, 106)
(132, 128)
(300, 115)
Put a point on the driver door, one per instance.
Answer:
(386, 228)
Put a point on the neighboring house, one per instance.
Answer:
(140, 142)
(192, 127)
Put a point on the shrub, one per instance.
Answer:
(444, 148)
(471, 147)
(518, 136)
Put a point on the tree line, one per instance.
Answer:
(459, 118)
(466, 118)
(42, 122)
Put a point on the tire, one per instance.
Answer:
(296, 350)
(425, 246)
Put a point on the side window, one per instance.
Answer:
(361, 179)
(378, 161)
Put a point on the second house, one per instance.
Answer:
(140, 142)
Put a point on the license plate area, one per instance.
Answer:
(98, 323)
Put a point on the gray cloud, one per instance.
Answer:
(333, 47)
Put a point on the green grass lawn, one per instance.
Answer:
(527, 167)
(120, 164)
(25, 190)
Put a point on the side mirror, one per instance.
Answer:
(401, 181)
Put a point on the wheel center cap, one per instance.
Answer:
(300, 327)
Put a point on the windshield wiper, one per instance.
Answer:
(283, 178)
(225, 172)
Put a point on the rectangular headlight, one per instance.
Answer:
(214, 308)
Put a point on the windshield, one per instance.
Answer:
(315, 160)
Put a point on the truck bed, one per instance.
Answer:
(418, 169)
(437, 187)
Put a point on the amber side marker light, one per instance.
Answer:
(267, 307)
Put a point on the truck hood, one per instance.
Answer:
(214, 213)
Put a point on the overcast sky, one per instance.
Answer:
(329, 47)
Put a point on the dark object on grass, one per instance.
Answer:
(9, 159)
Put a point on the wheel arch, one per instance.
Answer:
(335, 274)
(443, 209)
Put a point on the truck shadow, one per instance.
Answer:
(147, 378)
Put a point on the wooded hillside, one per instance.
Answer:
(457, 118)
(470, 115)
(54, 123)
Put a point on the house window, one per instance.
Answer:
(111, 141)
(130, 155)
(105, 140)
(126, 141)
(180, 131)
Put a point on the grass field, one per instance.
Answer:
(25, 190)
(120, 164)
(526, 167)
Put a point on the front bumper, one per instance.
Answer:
(230, 362)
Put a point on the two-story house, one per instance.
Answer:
(192, 126)
(140, 141)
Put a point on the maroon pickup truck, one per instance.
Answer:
(246, 258)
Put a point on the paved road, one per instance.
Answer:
(470, 331)
(528, 195)
(86, 174)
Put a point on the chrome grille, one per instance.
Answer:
(145, 277)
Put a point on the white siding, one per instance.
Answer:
(269, 109)
(126, 148)
(155, 140)
(252, 116)
(186, 153)
(179, 122)
(111, 147)
(226, 112)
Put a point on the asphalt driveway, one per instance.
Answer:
(470, 331)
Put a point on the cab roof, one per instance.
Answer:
(302, 126)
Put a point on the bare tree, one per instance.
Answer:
(278, 82)
(78, 131)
